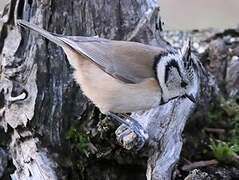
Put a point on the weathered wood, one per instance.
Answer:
(3, 162)
(40, 97)
(165, 125)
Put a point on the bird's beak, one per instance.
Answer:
(191, 98)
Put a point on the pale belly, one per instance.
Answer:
(110, 94)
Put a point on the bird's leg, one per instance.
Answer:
(135, 122)
(134, 126)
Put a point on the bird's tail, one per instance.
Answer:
(46, 34)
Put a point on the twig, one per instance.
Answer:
(214, 130)
(199, 164)
(235, 156)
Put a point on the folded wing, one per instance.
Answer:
(130, 62)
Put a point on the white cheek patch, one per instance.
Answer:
(195, 86)
(171, 83)
(174, 79)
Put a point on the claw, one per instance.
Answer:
(123, 134)
(136, 123)
(134, 126)
(141, 143)
(121, 129)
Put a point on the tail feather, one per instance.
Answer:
(43, 32)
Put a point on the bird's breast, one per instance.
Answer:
(111, 94)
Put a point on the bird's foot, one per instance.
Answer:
(130, 134)
(127, 138)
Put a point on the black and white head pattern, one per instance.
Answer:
(177, 74)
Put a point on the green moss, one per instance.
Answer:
(81, 166)
(231, 108)
(235, 135)
(79, 139)
(224, 151)
(225, 114)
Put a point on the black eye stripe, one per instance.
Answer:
(188, 63)
(174, 64)
(183, 84)
(156, 61)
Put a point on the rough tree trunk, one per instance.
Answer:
(40, 98)
(42, 101)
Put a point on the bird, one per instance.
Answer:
(125, 76)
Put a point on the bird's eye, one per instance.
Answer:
(183, 84)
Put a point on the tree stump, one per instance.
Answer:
(42, 101)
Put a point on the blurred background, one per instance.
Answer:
(195, 14)
(198, 14)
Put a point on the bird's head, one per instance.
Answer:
(176, 73)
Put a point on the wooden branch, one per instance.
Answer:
(199, 164)
(214, 130)
(165, 125)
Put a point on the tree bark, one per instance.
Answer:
(40, 98)
(42, 101)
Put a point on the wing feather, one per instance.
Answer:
(130, 62)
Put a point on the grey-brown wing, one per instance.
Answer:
(129, 62)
